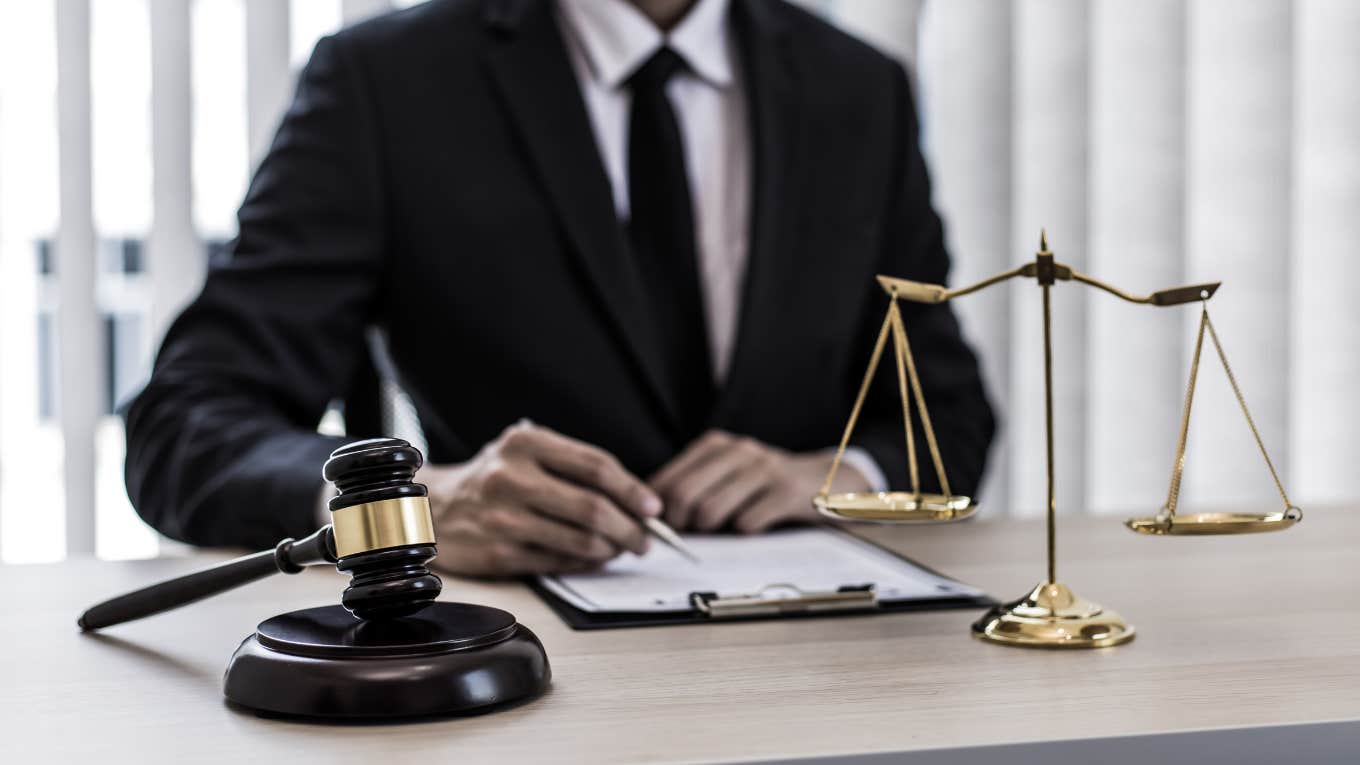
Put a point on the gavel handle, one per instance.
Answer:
(288, 557)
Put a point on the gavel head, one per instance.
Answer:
(384, 533)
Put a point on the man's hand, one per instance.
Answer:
(726, 481)
(534, 501)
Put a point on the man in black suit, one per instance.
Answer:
(624, 256)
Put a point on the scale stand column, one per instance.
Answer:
(1051, 615)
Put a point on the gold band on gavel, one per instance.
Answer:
(382, 524)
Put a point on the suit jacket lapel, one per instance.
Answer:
(772, 88)
(530, 66)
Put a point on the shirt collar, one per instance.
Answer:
(618, 38)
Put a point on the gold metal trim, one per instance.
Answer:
(1206, 524)
(891, 505)
(1167, 522)
(1052, 616)
(917, 292)
(897, 506)
(783, 599)
(1167, 297)
(383, 524)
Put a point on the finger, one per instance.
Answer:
(481, 556)
(764, 514)
(556, 498)
(685, 493)
(469, 547)
(733, 495)
(591, 467)
(525, 526)
(452, 526)
(699, 451)
(522, 560)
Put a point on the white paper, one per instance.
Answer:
(811, 560)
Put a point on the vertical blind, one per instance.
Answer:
(93, 112)
(1158, 142)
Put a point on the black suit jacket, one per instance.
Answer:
(437, 176)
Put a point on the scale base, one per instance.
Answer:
(894, 506)
(1051, 616)
(448, 659)
(1206, 524)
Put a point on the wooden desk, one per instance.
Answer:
(1233, 632)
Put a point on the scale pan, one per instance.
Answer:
(894, 506)
(1205, 524)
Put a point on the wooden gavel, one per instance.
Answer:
(381, 533)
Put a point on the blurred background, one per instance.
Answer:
(1159, 142)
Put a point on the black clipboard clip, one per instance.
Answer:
(781, 599)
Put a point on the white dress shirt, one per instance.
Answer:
(608, 40)
(611, 39)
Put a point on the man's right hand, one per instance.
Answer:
(534, 501)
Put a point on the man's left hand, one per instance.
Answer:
(728, 481)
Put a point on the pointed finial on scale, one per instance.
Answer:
(1045, 267)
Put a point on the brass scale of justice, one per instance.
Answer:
(1050, 615)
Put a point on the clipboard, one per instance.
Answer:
(772, 601)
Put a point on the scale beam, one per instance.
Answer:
(1173, 296)
(926, 292)
(1050, 615)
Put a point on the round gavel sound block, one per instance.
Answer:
(390, 650)
(451, 658)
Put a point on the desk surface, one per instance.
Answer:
(1233, 632)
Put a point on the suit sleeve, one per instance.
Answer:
(222, 447)
(913, 248)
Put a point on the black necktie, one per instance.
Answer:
(662, 232)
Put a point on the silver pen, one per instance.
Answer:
(657, 528)
(654, 526)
